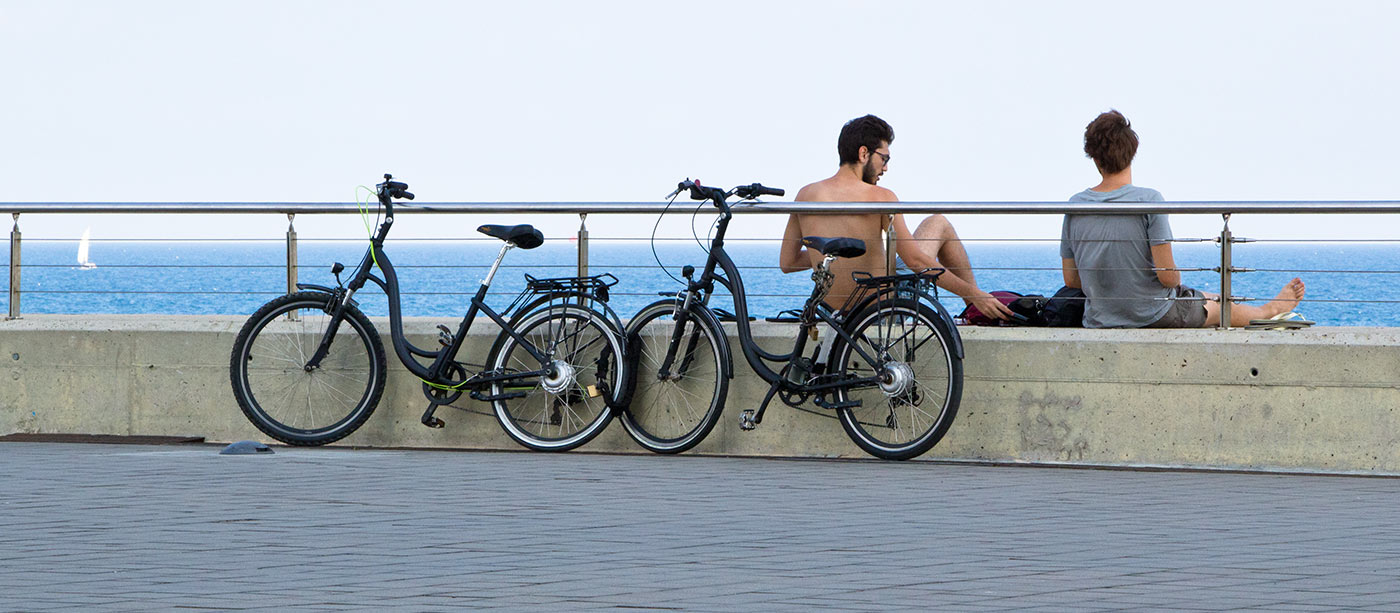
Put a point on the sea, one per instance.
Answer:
(1348, 283)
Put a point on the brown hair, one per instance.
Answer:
(1110, 140)
(868, 131)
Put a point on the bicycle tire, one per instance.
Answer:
(917, 365)
(661, 414)
(269, 380)
(564, 412)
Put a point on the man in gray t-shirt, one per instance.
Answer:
(1124, 263)
(1114, 260)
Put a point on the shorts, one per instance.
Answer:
(1188, 310)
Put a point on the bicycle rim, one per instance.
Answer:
(921, 381)
(561, 412)
(308, 407)
(674, 414)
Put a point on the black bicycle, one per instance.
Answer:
(308, 368)
(893, 373)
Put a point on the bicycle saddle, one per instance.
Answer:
(840, 247)
(524, 236)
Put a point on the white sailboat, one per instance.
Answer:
(83, 262)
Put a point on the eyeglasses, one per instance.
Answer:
(883, 156)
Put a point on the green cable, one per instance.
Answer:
(363, 206)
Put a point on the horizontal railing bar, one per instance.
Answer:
(1320, 271)
(1018, 208)
(361, 241)
(718, 294)
(631, 267)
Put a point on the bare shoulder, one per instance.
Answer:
(881, 194)
(813, 192)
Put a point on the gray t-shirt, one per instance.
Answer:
(1114, 258)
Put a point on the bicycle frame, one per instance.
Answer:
(756, 356)
(438, 372)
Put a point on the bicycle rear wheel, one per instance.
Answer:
(299, 406)
(561, 411)
(673, 414)
(921, 380)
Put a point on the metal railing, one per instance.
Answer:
(1225, 239)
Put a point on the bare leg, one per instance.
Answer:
(937, 238)
(1240, 314)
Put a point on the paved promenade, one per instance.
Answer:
(142, 528)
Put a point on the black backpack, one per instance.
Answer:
(1065, 309)
(1025, 309)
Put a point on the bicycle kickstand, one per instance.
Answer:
(748, 418)
(429, 420)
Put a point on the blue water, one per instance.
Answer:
(438, 277)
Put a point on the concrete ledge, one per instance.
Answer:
(1317, 400)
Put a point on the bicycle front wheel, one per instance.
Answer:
(286, 400)
(673, 413)
(572, 404)
(920, 387)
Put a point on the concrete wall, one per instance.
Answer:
(1323, 399)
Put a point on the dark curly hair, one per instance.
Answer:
(1110, 140)
(868, 131)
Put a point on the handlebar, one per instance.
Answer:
(393, 189)
(744, 192)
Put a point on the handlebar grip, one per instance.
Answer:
(395, 189)
(754, 190)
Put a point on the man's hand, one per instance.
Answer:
(989, 305)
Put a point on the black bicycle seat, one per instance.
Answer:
(840, 247)
(524, 236)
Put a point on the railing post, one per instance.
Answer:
(14, 270)
(582, 245)
(291, 260)
(291, 254)
(1226, 240)
(889, 245)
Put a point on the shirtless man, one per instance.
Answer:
(864, 149)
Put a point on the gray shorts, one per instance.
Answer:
(1188, 310)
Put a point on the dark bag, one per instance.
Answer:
(1025, 309)
(1065, 309)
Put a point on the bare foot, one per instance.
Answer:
(1287, 298)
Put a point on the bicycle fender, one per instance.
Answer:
(728, 355)
(593, 301)
(949, 326)
(313, 286)
(322, 288)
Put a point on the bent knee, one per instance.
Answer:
(934, 226)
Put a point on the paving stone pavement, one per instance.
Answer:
(141, 528)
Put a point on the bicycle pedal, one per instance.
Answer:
(444, 335)
(435, 423)
(746, 420)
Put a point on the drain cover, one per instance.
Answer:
(245, 448)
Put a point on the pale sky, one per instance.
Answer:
(615, 101)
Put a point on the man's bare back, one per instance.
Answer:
(864, 150)
(867, 227)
